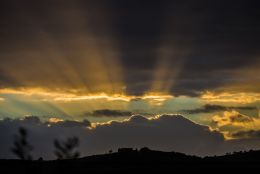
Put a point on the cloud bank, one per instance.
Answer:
(165, 132)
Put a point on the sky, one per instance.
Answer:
(108, 62)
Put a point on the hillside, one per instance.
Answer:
(144, 160)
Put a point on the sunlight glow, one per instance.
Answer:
(156, 98)
(64, 96)
(226, 97)
(55, 120)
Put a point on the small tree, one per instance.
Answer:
(21, 147)
(66, 149)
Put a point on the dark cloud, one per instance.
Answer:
(212, 40)
(111, 113)
(70, 123)
(167, 132)
(41, 134)
(208, 108)
(6, 80)
(31, 120)
(246, 134)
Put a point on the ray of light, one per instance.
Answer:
(84, 60)
(68, 103)
(171, 54)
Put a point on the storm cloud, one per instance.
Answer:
(167, 132)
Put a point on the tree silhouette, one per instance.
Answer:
(66, 149)
(21, 147)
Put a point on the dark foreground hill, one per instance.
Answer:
(144, 160)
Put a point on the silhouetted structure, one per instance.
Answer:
(66, 149)
(21, 147)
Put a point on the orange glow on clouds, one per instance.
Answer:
(55, 120)
(156, 98)
(226, 97)
(69, 96)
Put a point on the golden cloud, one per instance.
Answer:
(233, 118)
(55, 120)
(226, 97)
(74, 95)
(231, 122)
